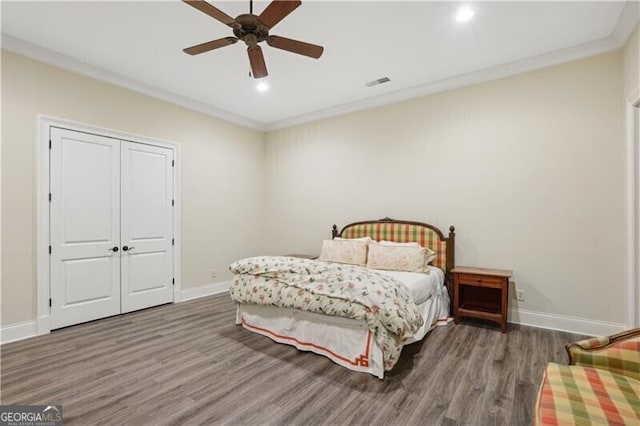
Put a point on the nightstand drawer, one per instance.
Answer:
(481, 280)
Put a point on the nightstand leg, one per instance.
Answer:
(505, 304)
(456, 293)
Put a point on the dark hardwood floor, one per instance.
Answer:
(189, 363)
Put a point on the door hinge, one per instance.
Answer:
(49, 249)
(173, 163)
(49, 143)
(173, 202)
(49, 197)
(173, 281)
(173, 241)
(49, 302)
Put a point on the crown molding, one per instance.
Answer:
(626, 24)
(50, 57)
(614, 42)
(543, 61)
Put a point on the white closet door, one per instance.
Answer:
(85, 227)
(147, 226)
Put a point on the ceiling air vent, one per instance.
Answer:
(378, 81)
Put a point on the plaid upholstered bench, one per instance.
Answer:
(600, 386)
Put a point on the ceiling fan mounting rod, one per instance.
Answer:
(250, 7)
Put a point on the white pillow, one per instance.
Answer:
(430, 254)
(365, 239)
(349, 251)
(393, 243)
(397, 258)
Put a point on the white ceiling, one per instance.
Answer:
(416, 44)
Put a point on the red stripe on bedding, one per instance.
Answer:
(356, 362)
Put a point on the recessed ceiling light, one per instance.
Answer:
(262, 86)
(464, 14)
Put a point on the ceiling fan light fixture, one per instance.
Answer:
(262, 86)
(465, 13)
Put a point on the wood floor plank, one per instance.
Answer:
(189, 363)
(468, 398)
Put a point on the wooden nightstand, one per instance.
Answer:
(481, 293)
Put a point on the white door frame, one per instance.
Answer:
(633, 211)
(44, 123)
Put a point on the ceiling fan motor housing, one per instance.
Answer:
(250, 27)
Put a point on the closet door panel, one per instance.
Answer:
(85, 227)
(146, 226)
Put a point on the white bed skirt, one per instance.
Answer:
(346, 342)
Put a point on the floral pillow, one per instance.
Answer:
(398, 257)
(353, 252)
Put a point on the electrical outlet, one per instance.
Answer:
(520, 295)
(213, 273)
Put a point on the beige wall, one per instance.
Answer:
(222, 172)
(631, 64)
(631, 91)
(530, 170)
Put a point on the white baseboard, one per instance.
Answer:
(24, 330)
(205, 290)
(44, 324)
(15, 332)
(576, 325)
(177, 295)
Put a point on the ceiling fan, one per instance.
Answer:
(252, 30)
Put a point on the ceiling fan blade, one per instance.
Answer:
(256, 59)
(210, 45)
(295, 46)
(277, 11)
(212, 11)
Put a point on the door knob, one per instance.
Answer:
(114, 249)
(126, 248)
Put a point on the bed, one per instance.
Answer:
(354, 339)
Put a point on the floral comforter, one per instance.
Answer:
(331, 289)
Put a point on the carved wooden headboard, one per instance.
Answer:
(403, 231)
